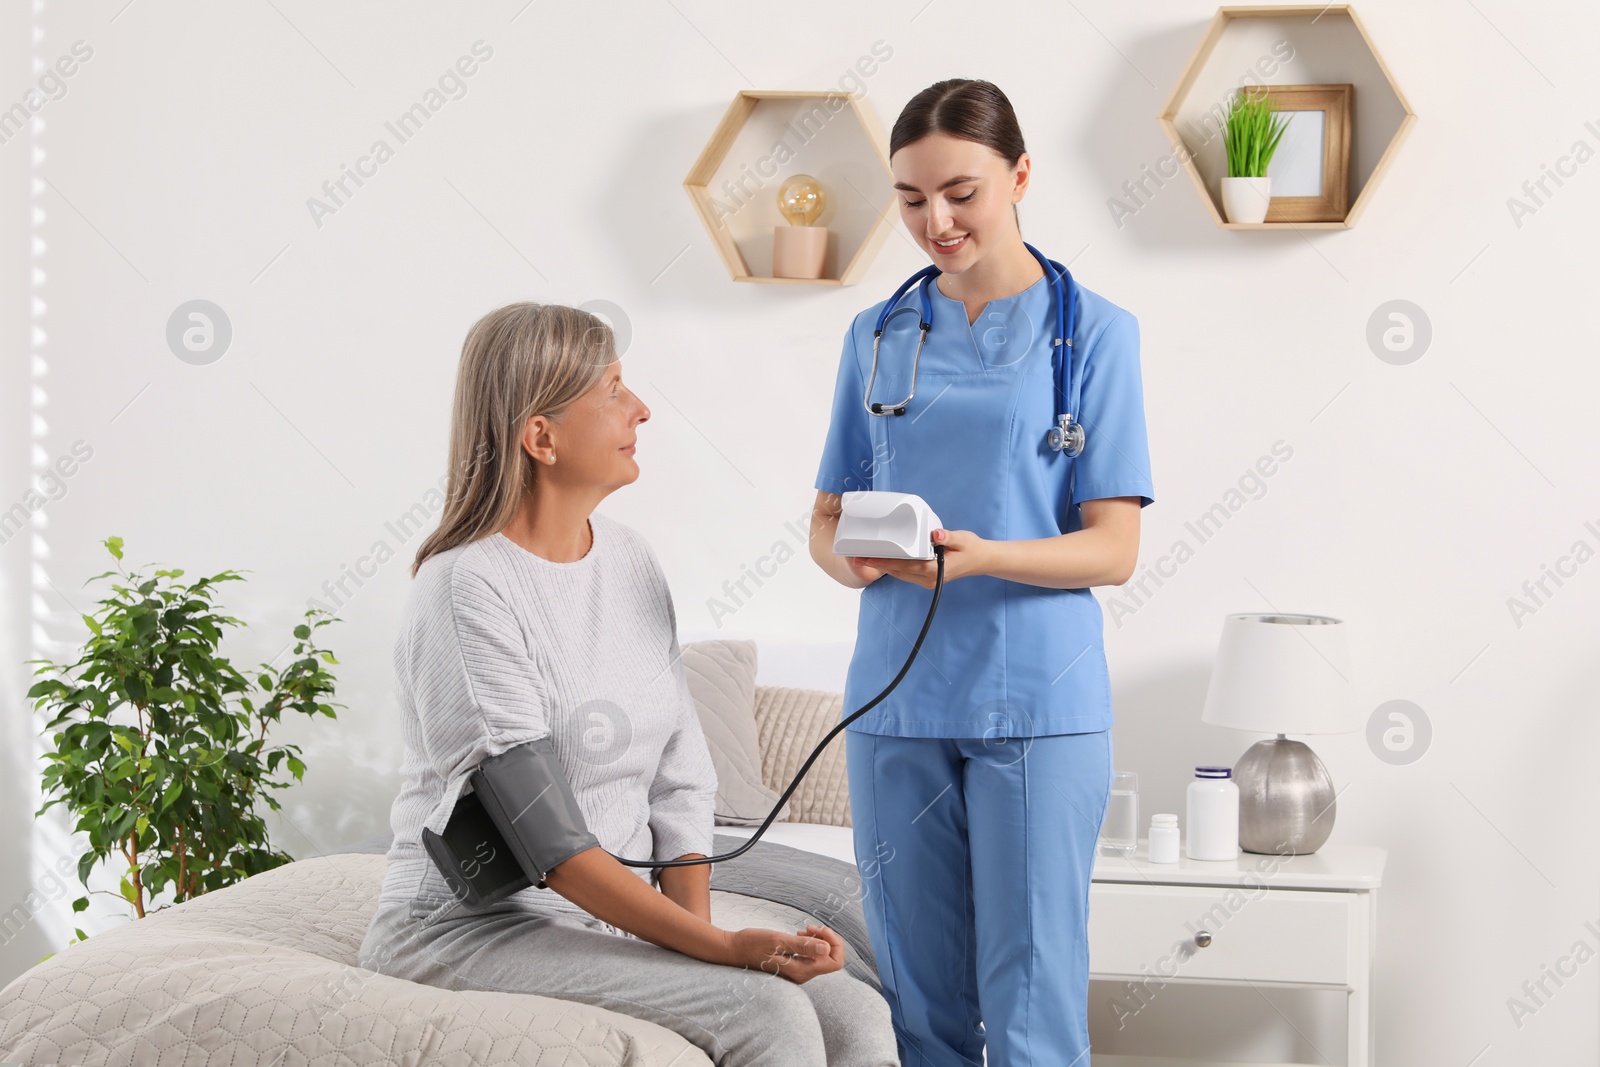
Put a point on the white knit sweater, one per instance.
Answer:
(498, 647)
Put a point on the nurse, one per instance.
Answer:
(978, 787)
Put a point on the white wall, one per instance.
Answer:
(1418, 499)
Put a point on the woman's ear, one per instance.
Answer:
(536, 439)
(1023, 170)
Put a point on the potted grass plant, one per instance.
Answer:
(157, 748)
(1251, 134)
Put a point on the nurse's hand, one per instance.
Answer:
(865, 574)
(963, 556)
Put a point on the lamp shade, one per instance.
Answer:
(1282, 674)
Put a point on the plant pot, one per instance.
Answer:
(1246, 199)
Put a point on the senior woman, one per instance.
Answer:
(532, 616)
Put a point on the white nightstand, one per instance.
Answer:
(1307, 921)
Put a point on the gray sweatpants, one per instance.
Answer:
(739, 1016)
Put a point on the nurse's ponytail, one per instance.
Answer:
(517, 361)
(961, 107)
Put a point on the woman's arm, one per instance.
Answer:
(689, 886)
(1104, 552)
(597, 883)
(824, 523)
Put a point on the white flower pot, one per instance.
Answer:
(1246, 199)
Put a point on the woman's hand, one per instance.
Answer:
(864, 574)
(964, 555)
(799, 957)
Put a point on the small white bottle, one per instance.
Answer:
(1213, 820)
(1163, 839)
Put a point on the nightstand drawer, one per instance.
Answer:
(1263, 935)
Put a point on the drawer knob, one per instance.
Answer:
(1202, 938)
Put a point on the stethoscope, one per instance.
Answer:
(1067, 435)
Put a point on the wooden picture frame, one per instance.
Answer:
(1237, 48)
(1336, 103)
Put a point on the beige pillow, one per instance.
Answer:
(791, 722)
(722, 680)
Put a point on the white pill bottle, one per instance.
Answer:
(1213, 815)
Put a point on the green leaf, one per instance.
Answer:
(184, 730)
(125, 824)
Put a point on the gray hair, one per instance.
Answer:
(518, 361)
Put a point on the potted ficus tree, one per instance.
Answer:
(159, 750)
(1251, 134)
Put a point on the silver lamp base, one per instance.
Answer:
(1286, 798)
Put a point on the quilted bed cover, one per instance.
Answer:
(264, 974)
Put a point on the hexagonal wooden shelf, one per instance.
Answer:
(1329, 46)
(765, 138)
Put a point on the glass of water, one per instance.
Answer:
(1119, 834)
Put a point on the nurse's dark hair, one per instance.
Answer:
(966, 108)
(517, 361)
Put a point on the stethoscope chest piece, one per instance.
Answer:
(1066, 437)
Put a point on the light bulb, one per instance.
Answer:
(801, 200)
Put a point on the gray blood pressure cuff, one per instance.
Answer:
(520, 821)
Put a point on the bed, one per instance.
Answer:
(265, 972)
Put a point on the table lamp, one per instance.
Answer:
(1282, 674)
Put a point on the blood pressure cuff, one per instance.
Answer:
(520, 821)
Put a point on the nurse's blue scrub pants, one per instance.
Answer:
(975, 856)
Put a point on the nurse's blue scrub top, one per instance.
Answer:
(1002, 658)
